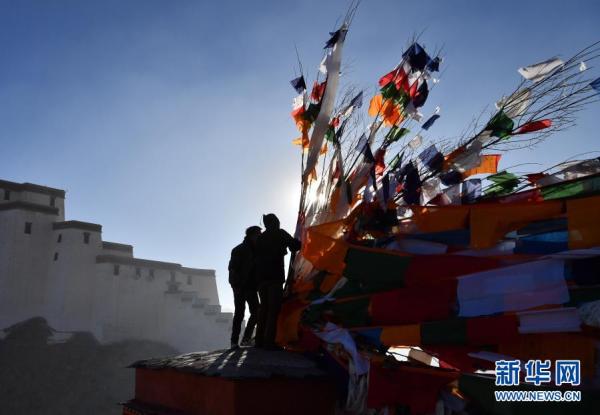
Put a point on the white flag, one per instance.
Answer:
(539, 71)
(415, 142)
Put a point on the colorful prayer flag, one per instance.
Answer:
(489, 164)
(533, 126)
(416, 57)
(427, 125)
(539, 71)
(298, 84)
(501, 125)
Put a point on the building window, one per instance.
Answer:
(56, 256)
(6, 194)
(52, 201)
(189, 280)
(59, 239)
(138, 273)
(150, 274)
(86, 237)
(28, 228)
(116, 269)
(172, 275)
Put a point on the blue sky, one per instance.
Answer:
(168, 121)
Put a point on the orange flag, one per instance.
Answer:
(489, 164)
(386, 108)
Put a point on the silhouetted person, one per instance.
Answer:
(271, 247)
(242, 278)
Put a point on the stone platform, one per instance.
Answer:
(227, 382)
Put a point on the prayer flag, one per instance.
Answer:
(539, 71)
(412, 185)
(596, 84)
(335, 37)
(501, 125)
(415, 142)
(504, 183)
(432, 158)
(430, 121)
(421, 95)
(434, 64)
(489, 164)
(379, 162)
(471, 190)
(416, 57)
(395, 134)
(533, 126)
(317, 91)
(299, 84)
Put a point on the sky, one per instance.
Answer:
(168, 122)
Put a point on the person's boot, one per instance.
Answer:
(234, 346)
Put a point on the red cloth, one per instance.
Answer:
(482, 331)
(317, 91)
(412, 92)
(428, 269)
(530, 127)
(414, 305)
(418, 388)
(379, 162)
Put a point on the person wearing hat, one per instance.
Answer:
(271, 247)
(242, 278)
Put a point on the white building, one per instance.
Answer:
(64, 271)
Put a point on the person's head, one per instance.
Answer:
(271, 222)
(252, 233)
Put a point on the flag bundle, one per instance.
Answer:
(426, 246)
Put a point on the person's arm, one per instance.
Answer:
(291, 243)
(234, 267)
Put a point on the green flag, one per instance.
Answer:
(501, 125)
(504, 183)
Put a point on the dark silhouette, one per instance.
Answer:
(271, 247)
(242, 278)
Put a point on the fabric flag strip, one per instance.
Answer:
(427, 125)
(299, 84)
(327, 105)
(417, 57)
(415, 142)
(501, 125)
(471, 190)
(533, 126)
(514, 288)
(396, 134)
(432, 158)
(539, 71)
(504, 183)
(489, 164)
(596, 84)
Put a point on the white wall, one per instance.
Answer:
(75, 293)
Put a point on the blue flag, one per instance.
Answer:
(299, 84)
(430, 121)
(596, 84)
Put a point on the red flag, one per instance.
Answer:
(412, 92)
(534, 126)
(380, 162)
(317, 91)
(387, 78)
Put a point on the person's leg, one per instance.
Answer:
(240, 308)
(275, 297)
(252, 300)
(262, 314)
